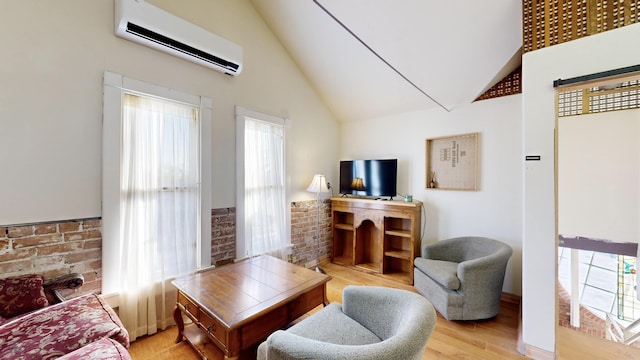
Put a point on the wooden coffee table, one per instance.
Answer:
(235, 307)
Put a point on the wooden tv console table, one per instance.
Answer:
(379, 236)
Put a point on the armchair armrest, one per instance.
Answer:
(69, 281)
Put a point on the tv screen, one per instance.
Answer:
(369, 177)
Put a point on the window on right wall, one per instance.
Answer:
(263, 219)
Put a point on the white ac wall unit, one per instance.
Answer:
(146, 24)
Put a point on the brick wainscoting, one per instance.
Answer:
(54, 249)
(223, 235)
(303, 232)
(62, 247)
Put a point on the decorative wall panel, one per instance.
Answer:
(510, 85)
(620, 96)
(551, 22)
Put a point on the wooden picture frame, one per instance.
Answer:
(452, 162)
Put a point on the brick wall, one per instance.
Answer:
(62, 247)
(303, 232)
(223, 235)
(590, 323)
(54, 249)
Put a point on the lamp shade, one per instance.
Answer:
(318, 184)
(357, 184)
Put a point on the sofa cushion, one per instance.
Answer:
(60, 329)
(345, 330)
(103, 349)
(21, 294)
(443, 272)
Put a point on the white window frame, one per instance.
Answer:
(241, 114)
(114, 87)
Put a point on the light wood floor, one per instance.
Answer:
(493, 339)
(490, 339)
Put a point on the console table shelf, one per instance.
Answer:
(344, 226)
(401, 233)
(400, 254)
(376, 236)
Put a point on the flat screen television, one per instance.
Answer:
(376, 178)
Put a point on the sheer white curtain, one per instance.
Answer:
(264, 189)
(159, 203)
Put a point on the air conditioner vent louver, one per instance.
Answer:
(140, 22)
(177, 45)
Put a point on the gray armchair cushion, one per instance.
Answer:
(443, 272)
(345, 330)
(372, 323)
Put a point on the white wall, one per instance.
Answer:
(495, 210)
(51, 100)
(606, 51)
(598, 153)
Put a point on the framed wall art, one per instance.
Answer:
(452, 162)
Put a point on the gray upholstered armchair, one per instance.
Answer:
(372, 323)
(463, 277)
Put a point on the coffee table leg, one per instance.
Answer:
(325, 299)
(177, 317)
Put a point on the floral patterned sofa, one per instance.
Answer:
(37, 323)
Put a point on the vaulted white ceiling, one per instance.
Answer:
(373, 58)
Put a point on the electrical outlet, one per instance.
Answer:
(328, 185)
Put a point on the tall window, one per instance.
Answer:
(160, 187)
(263, 221)
(158, 191)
